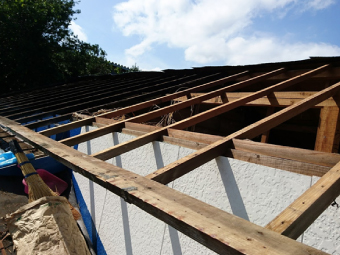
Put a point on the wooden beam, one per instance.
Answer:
(265, 136)
(48, 111)
(277, 99)
(303, 155)
(190, 162)
(156, 113)
(50, 121)
(67, 127)
(299, 215)
(139, 141)
(81, 94)
(198, 141)
(256, 158)
(157, 134)
(198, 100)
(327, 138)
(334, 74)
(218, 230)
(152, 102)
(280, 163)
(242, 101)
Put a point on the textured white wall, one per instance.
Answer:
(253, 192)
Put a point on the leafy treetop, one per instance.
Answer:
(38, 48)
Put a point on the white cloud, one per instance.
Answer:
(78, 31)
(210, 31)
(319, 4)
(239, 50)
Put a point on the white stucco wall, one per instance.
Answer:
(253, 192)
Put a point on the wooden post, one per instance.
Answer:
(265, 136)
(327, 138)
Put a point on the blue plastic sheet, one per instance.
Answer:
(8, 158)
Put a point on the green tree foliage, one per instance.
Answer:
(134, 68)
(37, 47)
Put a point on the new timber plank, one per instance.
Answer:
(212, 227)
(299, 215)
(190, 162)
(265, 136)
(327, 138)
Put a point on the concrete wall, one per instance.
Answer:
(253, 192)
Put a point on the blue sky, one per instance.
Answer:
(176, 34)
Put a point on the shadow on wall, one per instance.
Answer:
(174, 238)
(125, 215)
(231, 188)
(173, 233)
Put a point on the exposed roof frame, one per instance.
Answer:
(66, 113)
(218, 230)
(223, 232)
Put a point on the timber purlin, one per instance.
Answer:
(226, 89)
(124, 101)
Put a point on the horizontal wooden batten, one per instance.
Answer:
(246, 99)
(212, 227)
(154, 135)
(303, 155)
(190, 162)
(277, 99)
(156, 113)
(79, 105)
(277, 162)
(192, 101)
(149, 103)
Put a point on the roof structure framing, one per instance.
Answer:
(218, 230)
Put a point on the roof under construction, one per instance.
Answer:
(282, 115)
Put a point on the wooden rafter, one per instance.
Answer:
(48, 110)
(56, 100)
(156, 113)
(190, 162)
(214, 228)
(277, 99)
(142, 105)
(156, 135)
(67, 113)
(298, 216)
(327, 138)
(279, 157)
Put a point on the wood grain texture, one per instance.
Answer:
(327, 138)
(190, 162)
(299, 215)
(277, 99)
(212, 227)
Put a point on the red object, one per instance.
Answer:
(56, 184)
